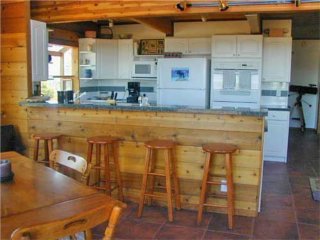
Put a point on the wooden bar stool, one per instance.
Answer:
(170, 171)
(227, 150)
(48, 146)
(111, 149)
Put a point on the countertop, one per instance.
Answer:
(153, 108)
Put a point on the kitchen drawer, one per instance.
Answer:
(278, 115)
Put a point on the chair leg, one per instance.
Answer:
(115, 150)
(36, 150)
(204, 187)
(144, 182)
(107, 169)
(230, 193)
(175, 180)
(89, 159)
(168, 184)
(152, 178)
(113, 220)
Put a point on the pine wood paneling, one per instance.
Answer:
(188, 129)
(15, 16)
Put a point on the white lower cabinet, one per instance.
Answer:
(276, 137)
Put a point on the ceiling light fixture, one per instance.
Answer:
(181, 6)
(223, 5)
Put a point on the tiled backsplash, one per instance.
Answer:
(103, 88)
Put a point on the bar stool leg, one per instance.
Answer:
(50, 148)
(107, 169)
(204, 187)
(46, 152)
(89, 158)
(175, 180)
(36, 150)
(168, 184)
(152, 177)
(115, 150)
(144, 182)
(230, 195)
(98, 169)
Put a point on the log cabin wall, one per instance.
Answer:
(15, 64)
(190, 130)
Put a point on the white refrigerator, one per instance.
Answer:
(183, 82)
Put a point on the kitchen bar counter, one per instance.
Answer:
(152, 108)
(190, 128)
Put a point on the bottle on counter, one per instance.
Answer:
(144, 100)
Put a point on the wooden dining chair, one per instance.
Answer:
(60, 158)
(83, 221)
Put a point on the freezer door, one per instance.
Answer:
(183, 97)
(183, 73)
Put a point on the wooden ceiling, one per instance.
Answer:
(158, 14)
(72, 11)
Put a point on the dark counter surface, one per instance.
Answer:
(153, 108)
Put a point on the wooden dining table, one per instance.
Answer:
(39, 194)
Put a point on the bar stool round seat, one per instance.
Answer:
(103, 139)
(110, 147)
(46, 136)
(167, 147)
(219, 148)
(211, 150)
(160, 144)
(48, 146)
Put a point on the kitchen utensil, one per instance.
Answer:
(112, 95)
(115, 96)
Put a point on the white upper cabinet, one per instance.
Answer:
(39, 50)
(236, 46)
(107, 59)
(224, 46)
(125, 58)
(276, 66)
(188, 45)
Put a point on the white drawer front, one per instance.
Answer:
(278, 115)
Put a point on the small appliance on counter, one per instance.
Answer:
(134, 92)
(65, 97)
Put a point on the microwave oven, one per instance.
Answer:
(144, 69)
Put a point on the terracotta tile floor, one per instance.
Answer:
(288, 210)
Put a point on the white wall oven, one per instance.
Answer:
(235, 83)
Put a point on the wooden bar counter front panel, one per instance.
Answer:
(190, 130)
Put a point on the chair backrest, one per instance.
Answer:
(72, 225)
(75, 162)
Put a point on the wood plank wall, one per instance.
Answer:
(15, 63)
(188, 129)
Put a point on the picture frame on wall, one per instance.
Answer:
(151, 46)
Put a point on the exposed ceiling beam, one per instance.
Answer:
(163, 25)
(64, 37)
(254, 22)
(72, 11)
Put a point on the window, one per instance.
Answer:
(62, 72)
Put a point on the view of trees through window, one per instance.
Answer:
(60, 71)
